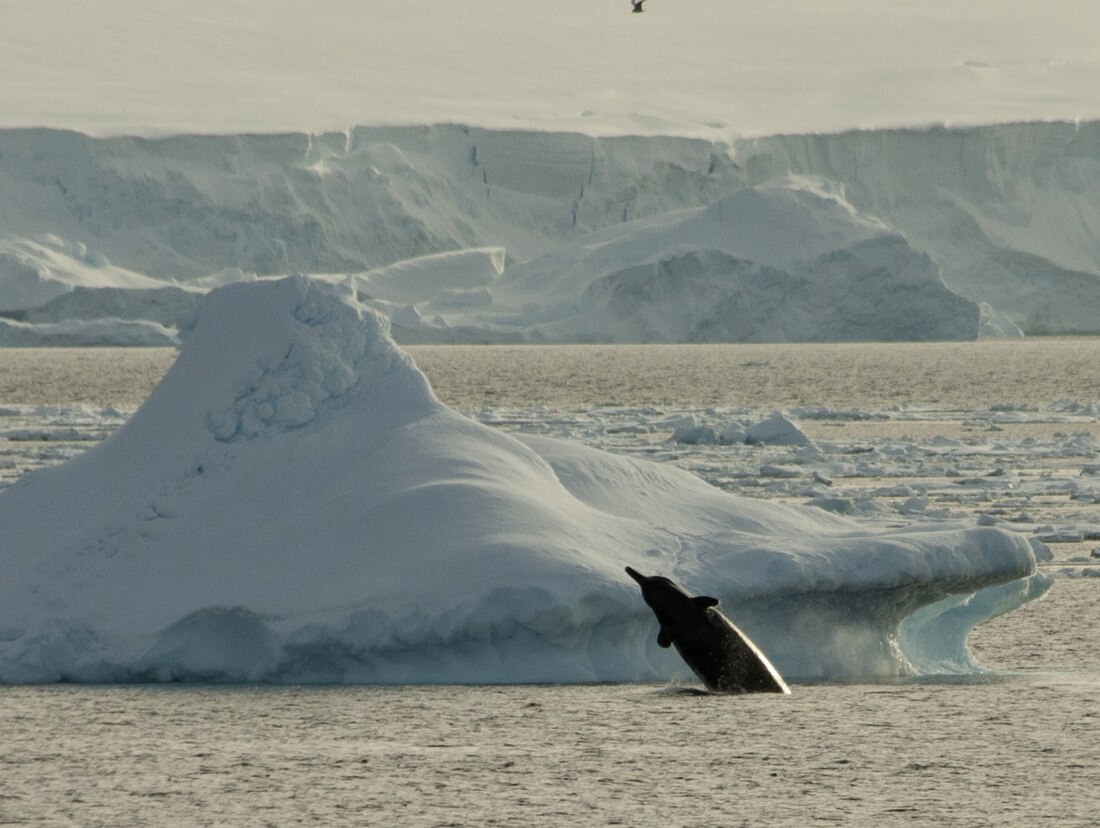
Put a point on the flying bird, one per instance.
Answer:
(637, 4)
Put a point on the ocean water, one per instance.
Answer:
(1005, 431)
(1018, 750)
(869, 375)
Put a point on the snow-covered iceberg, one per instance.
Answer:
(293, 504)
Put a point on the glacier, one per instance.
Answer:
(785, 262)
(1006, 215)
(224, 156)
(293, 504)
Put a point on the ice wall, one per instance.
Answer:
(1009, 213)
(188, 206)
(292, 503)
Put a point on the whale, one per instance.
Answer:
(720, 654)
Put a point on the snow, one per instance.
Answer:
(415, 279)
(230, 146)
(778, 429)
(84, 333)
(467, 233)
(1009, 211)
(292, 503)
(782, 262)
(35, 271)
(55, 292)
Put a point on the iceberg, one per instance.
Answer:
(293, 504)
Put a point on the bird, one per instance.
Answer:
(637, 4)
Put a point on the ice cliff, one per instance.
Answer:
(293, 504)
(1010, 212)
(1007, 214)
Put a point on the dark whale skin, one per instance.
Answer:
(722, 656)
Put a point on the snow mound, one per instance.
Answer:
(783, 262)
(293, 504)
(308, 361)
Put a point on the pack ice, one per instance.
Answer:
(293, 504)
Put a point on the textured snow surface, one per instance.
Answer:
(292, 503)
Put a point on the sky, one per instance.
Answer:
(711, 68)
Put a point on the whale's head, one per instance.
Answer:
(665, 597)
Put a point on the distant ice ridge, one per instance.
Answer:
(1005, 213)
(293, 504)
(786, 262)
(79, 333)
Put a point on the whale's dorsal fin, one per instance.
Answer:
(705, 601)
(664, 638)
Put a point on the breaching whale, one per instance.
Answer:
(714, 648)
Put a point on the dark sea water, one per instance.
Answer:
(1004, 750)
(869, 375)
(1016, 745)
